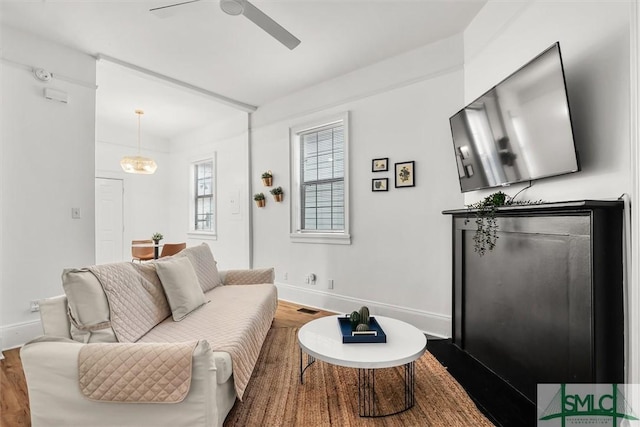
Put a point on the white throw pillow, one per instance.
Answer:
(204, 265)
(181, 286)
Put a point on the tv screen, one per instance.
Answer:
(520, 130)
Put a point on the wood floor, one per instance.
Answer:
(14, 401)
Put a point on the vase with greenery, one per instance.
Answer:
(485, 237)
(278, 194)
(267, 178)
(157, 237)
(259, 199)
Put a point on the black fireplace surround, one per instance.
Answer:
(546, 305)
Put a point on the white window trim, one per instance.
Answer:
(297, 235)
(201, 234)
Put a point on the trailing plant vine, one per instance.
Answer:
(486, 236)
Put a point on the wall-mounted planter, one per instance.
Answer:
(260, 200)
(267, 179)
(278, 194)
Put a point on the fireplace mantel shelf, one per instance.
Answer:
(544, 207)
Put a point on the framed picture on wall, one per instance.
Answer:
(380, 165)
(380, 184)
(405, 174)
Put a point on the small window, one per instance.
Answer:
(203, 200)
(320, 212)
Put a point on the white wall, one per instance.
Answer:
(399, 262)
(228, 142)
(47, 169)
(594, 40)
(146, 197)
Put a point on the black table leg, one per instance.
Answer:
(310, 361)
(367, 386)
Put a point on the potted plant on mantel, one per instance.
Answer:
(278, 194)
(259, 199)
(267, 178)
(485, 237)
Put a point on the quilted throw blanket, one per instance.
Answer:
(236, 320)
(143, 373)
(136, 299)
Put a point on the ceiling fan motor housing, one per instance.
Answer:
(232, 7)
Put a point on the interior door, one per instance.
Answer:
(109, 220)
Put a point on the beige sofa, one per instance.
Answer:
(168, 343)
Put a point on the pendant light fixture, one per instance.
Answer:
(138, 164)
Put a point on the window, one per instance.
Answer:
(320, 207)
(203, 197)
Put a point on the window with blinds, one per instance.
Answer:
(320, 181)
(322, 176)
(203, 201)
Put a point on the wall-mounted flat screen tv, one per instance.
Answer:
(520, 130)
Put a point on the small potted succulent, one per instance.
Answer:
(278, 194)
(267, 178)
(260, 200)
(157, 237)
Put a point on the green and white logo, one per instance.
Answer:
(561, 405)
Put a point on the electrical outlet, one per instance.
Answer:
(75, 213)
(34, 306)
(285, 276)
(330, 284)
(311, 278)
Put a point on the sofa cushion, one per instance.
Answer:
(88, 307)
(224, 366)
(204, 265)
(181, 286)
(236, 321)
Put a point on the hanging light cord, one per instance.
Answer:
(139, 113)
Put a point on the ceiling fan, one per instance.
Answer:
(255, 15)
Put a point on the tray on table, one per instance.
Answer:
(349, 338)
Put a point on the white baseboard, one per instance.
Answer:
(430, 323)
(12, 336)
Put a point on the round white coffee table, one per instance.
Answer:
(321, 339)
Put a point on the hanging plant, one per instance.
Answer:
(486, 236)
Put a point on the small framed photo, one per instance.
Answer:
(380, 184)
(380, 165)
(405, 174)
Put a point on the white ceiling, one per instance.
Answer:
(229, 55)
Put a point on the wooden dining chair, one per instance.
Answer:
(172, 248)
(141, 253)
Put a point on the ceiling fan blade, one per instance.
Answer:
(168, 10)
(259, 18)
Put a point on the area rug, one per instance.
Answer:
(329, 396)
